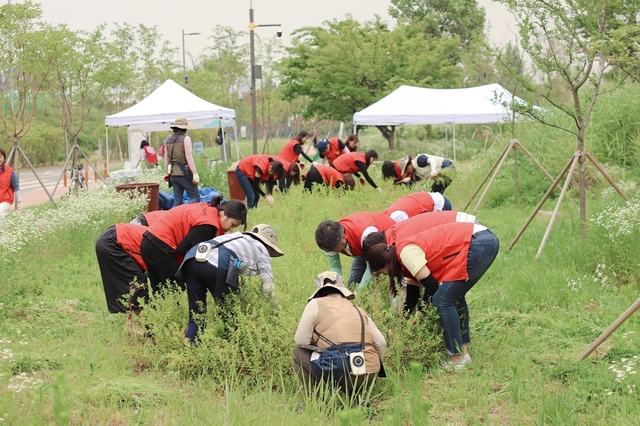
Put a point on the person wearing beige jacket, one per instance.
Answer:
(331, 318)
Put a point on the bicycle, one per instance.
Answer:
(77, 178)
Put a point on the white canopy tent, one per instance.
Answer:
(410, 105)
(156, 112)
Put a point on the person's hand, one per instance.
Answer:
(361, 181)
(166, 178)
(379, 189)
(196, 179)
(269, 199)
(433, 173)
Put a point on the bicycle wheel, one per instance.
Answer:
(75, 184)
(82, 182)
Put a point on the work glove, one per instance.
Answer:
(196, 179)
(269, 199)
(302, 166)
(433, 173)
(379, 189)
(361, 181)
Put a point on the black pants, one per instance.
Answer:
(119, 273)
(160, 260)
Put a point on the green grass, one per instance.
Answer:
(65, 360)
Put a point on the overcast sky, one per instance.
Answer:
(171, 17)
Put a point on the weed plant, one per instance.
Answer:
(65, 360)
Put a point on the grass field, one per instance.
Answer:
(65, 360)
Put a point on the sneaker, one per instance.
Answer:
(453, 366)
(467, 358)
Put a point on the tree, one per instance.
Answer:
(454, 18)
(566, 41)
(346, 66)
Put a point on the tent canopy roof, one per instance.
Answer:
(168, 102)
(418, 105)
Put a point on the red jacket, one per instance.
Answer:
(287, 152)
(175, 224)
(6, 192)
(330, 175)
(346, 163)
(412, 204)
(247, 166)
(129, 237)
(334, 150)
(446, 249)
(355, 224)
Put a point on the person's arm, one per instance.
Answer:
(197, 235)
(342, 147)
(334, 263)
(266, 274)
(142, 155)
(15, 185)
(297, 148)
(363, 169)
(255, 182)
(188, 152)
(378, 339)
(304, 333)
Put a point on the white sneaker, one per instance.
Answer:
(467, 358)
(460, 365)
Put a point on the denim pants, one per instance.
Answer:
(181, 184)
(450, 297)
(247, 188)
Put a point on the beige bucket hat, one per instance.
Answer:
(403, 163)
(267, 235)
(332, 279)
(180, 123)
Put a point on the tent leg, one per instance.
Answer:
(454, 142)
(106, 141)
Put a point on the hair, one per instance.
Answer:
(276, 167)
(329, 235)
(143, 144)
(4, 154)
(180, 131)
(325, 291)
(349, 181)
(389, 170)
(369, 155)
(381, 255)
(371, 240)
(294, 167)
(234, 209)
(301, 135)
(352, 138)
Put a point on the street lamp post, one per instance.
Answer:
(254, 114)
(184, 69)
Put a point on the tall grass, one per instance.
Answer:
(64, 359)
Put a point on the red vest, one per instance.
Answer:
(446, 249)
(154, 215)
(334, 150)
(346, 163)
(287, 152)
(412, 204)
(355, 224)
(175, 224)
(6, 192)
(419, 223)
(247, 164)
(150, 154)
(330, 175)
(129, 237)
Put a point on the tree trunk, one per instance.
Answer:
(389, 133)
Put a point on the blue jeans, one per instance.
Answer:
(180, 185)
(447, 204)
(450, 297)
(247, 188)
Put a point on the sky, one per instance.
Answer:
(171, 17)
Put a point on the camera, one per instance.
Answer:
(279, 32)
(356, 360)
(202, 252)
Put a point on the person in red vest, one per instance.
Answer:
(416, 203)
(320, 174)
(168, 239)
(290, 176)
(148, 154)
(9, 187)
(331, 149)
(253, 170)
(447, 260)
(346, 236)
(293, 149)
(356, 163)
(401, 171)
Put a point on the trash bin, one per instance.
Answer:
(235, 190)
(150, 188)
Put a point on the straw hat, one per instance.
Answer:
(267, 235)
(332, 279)
(180, 123)
(403, 163)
